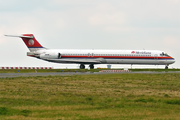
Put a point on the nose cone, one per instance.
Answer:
(172, 60)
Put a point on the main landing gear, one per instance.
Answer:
(82, 66)
(91, 66)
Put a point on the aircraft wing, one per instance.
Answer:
(79, 61)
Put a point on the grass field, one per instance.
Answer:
(73, 70)
(91, 97)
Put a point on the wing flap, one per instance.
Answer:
(83, 61)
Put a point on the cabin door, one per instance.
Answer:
(156, 57)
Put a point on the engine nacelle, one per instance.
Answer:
(52, 55)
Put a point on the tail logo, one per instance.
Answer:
(31, 42)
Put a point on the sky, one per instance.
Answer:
(89, 24)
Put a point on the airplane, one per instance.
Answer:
(92, 57)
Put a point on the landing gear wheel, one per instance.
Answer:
(91, 66)
(166, 67)
(82, 66)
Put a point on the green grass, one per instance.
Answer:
(91, 97)
(78, 70)
(41, 70)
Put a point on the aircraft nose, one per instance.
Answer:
(173, 60)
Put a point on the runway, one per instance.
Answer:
(11, 75)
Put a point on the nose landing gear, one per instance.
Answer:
(166, 67)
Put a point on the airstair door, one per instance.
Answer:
(156, 57)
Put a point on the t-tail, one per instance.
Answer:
(30, 41)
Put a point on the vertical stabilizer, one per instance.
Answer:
(30, 41)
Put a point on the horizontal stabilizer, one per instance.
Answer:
(21, 36)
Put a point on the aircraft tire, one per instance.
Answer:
(166, 67)
(91, 66)
(82, 66)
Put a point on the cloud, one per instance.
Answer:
(34, 21)
(171, 41)
(73, 2)
(103, 18)
(172, 2)
(154, 10)
(21, 5)
(115, 29)
(107, 17)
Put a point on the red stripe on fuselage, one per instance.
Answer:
(128, 57)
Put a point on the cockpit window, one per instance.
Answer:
(164, 54)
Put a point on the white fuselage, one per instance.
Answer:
(145, 57)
